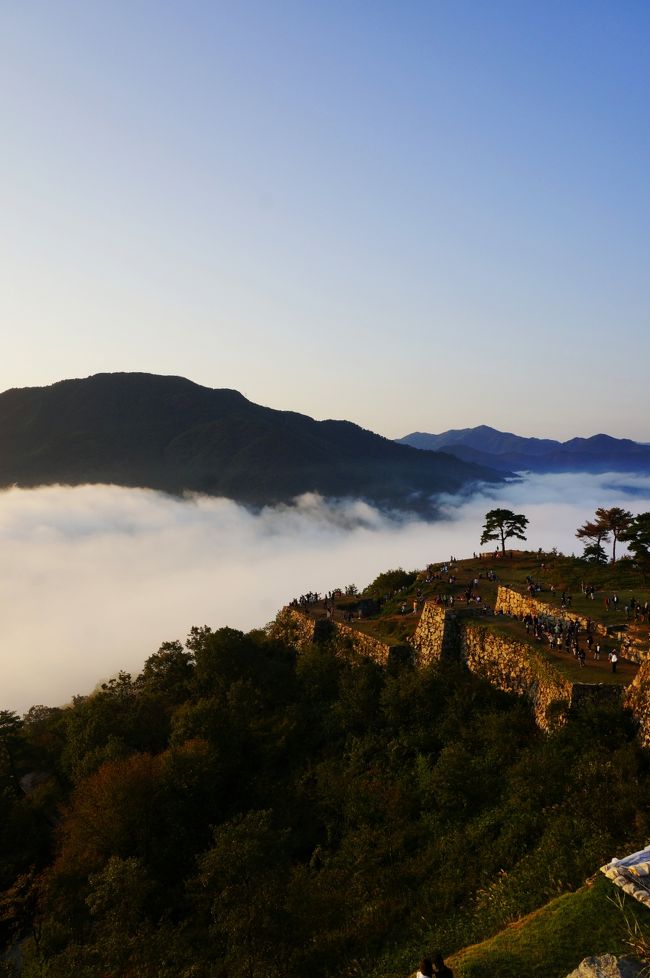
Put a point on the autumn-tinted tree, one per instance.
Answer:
(502, 524)
(112, 723)
(113, 812)
(286, 811)
(19, 909)
(615, 521)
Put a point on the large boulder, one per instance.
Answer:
(606, 966)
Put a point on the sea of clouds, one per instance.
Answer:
(94, 578)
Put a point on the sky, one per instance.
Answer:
(416, 216)
(93, 579)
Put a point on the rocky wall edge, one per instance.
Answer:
(637, 699)
(510, 602)
(300, 631)
(516, 668)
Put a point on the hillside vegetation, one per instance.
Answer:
(170, 434)
(389, 609)
(547, 942)
(240, 808)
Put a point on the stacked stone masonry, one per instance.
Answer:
(301, 631)
(294, 628)
(363, 644)
(637, 699)
(514, 667)
(511, 666)
(436, 636)
(518, 605)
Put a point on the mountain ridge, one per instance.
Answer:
(507, 452)
(171, 434)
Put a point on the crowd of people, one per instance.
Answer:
(561, 633)
(565, 635)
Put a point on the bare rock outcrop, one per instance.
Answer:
(606, 966)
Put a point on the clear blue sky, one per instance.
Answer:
(414, 215)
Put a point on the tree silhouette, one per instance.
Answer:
(501, 524)
(10, 744)
(614, 521)
(595, 533)
(637, 537)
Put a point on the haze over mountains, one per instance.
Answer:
(167, 433)
(507, 452)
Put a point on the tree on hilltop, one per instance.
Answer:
(501, 524)
(637, 537)
(615, 521)
(595, 534)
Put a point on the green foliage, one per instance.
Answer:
(637, 537)
(594, 553)
(170, 672)
(386, 584)
(10, 746)
(241, 886)
(167, 433)
(553, 940)
(238, 808)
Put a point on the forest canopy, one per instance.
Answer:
(241, 808)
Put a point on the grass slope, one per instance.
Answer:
(552, 941)
(565, 573)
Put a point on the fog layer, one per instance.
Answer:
(94, 578)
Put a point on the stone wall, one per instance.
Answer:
(597, 693)
(300, 631)
(511, 602)
(637, 649)
(346, 637)
(436, 636)
(294, 628)
(515, 667)
(511, 666)
(447, 635)
(637, 699)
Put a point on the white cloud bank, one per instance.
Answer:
(93, 579)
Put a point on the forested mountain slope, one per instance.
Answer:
(309, 813)
(171, 434)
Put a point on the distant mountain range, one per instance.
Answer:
(506, 452)
(167, 433)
